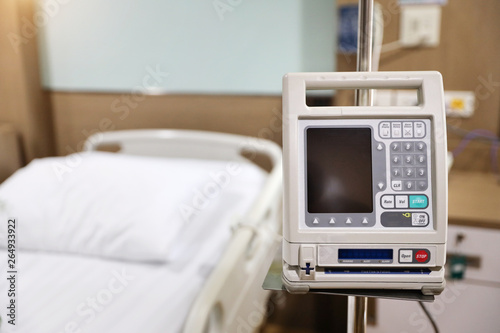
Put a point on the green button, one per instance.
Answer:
(418, 201)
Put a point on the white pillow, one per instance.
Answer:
(110, 205)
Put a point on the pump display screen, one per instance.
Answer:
(339, 170)
(366, 254)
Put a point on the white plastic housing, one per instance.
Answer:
(430, 107)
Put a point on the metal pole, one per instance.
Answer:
(356, 314)
(365, 46)
(356, 318)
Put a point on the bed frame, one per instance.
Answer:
(232, 299)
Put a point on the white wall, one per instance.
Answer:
(107, 45)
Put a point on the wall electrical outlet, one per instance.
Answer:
(459, 103)
(420, 25)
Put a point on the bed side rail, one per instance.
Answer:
(233, 296)
(183, 144)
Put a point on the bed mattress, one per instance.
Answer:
(60, 292)
(69, 293)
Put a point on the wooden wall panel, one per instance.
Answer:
(467, 56)
(10, 152)
(24, 104)
(77, 115)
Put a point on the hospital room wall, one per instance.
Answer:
(223, 83)
(24, 106)
(467, 56)
(72, 115)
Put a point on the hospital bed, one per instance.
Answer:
(95, 279)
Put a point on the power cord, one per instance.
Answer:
(433, 323)
(480, 135)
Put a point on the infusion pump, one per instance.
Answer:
(365, 188)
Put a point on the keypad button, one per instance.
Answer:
(419, 129)
(405, 256)
(401, 201)
(420, 146)
(396, 129)
(409, 185)
(408, 146)
(396, 160)
(396, 147)
(385, 130)
(396, 185)
(408, 130)
(421, 160)
(418, 201)
(422, 185)
(409, 172)
(408, 159)
(397, 172)
(419, 219)
(387, 201)
(421, 172)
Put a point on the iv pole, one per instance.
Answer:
(356, 305)
(365, 46)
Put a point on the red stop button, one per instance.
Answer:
(422, 256)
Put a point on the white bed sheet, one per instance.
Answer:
(69, 293)
(59, 292)
(55, 291)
